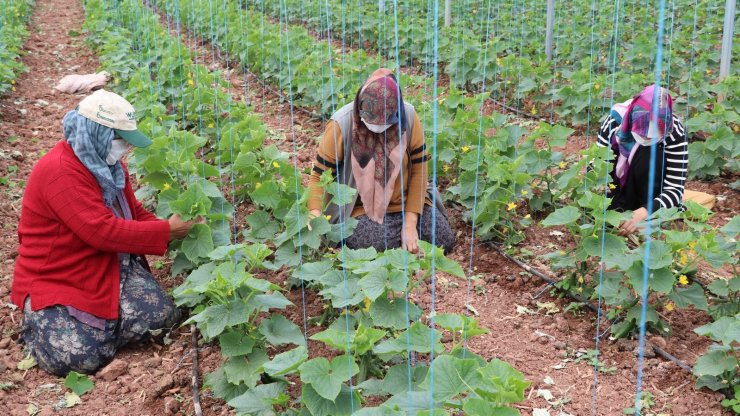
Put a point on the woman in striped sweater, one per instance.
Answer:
(631, 129)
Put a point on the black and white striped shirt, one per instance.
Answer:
(676, 149)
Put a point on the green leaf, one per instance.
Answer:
(220, 386)
(562, 216)
(660, 255)
(710, 382)
(278, 331)
(381, 279)
(78, 383)
(268, 195)
(313, 272)
(262, 226)
(614, 248)
(715, 363)
(725, 330)
(417, 338)
(192, 203)
(719, 287)
(327, 377)
(286, 362)
(392, 313)
(660, 280)
(234, 344)
(732, 228)
(343, 405)
(397, 378)
(198, 243)
(479, 407)
(378, 411)
(452, 376)
(691, 295)
(213, 319)
(501, 383)
(258, 401)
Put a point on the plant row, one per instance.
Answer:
(204, 141)
(504, 48)
(541, 179)
(14, 17)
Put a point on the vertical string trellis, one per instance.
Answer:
(650, 203)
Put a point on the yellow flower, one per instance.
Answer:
(367, 303)
(510, 206)
(190, 82)
(498, 61)
(465, 149)
(683, 279)
(692, 244)
(275, 165)
(257, 185)
(684, 259)
(527, 216)
(579, 289)
(210, 125)
(534, 111)
(445, 168)
(736, 129)
(612, 186)
(669, 306)
(597, 87)
(563, 165)
(709, 71)
(328, 217)
(12, 82)
(12, 88)
(166, 187)
(525, 192)
(580, 279)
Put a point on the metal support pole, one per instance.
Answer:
(448, 13)
(724, 63)
(550, 24)
(381, 6)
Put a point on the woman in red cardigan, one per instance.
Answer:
(80, 277)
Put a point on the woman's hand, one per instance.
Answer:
(179, 228)
(410, 235)
(629, 227)
(311, 215)
(410, 239)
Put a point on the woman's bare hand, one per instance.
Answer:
(179, 228)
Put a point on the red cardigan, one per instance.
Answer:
(69, 239)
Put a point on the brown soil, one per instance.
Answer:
(542, 345)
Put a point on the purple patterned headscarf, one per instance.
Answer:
(640, 127)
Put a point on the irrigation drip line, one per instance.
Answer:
(551, 283)
(547, 279)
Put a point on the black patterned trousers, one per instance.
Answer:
(369, 233)
(62, 343)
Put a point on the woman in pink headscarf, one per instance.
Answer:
(631, 129)
(376, 145)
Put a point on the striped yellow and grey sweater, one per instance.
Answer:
(412, 180)
(676, 161)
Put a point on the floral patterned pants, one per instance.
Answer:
(62, 343)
